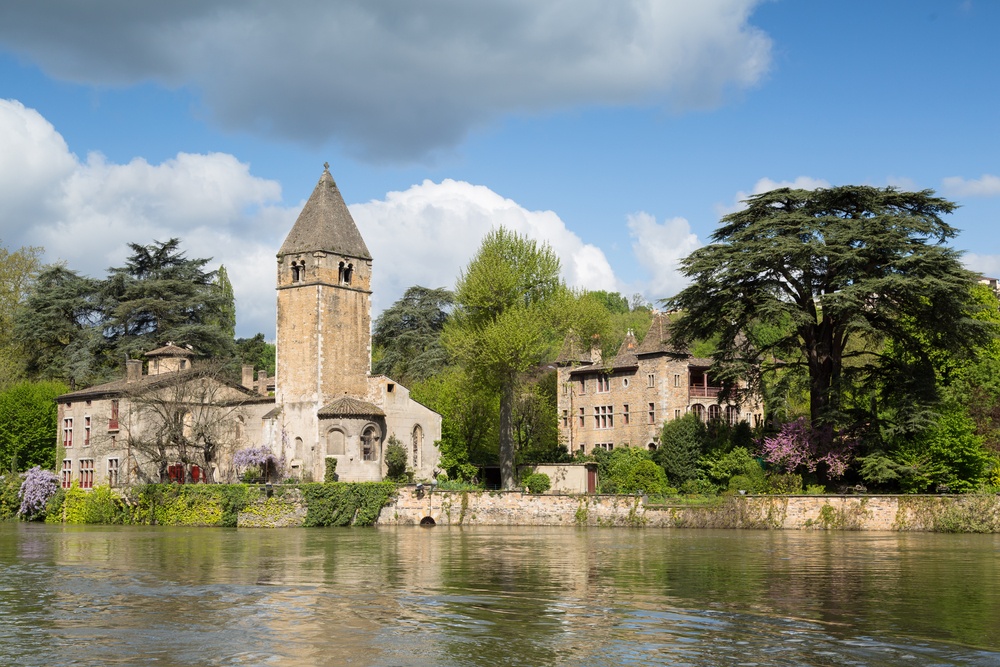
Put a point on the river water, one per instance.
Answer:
(491, 596)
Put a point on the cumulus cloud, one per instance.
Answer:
(659, 249)
(988, 265)
(765, 185)
(397, 80)
(86, 212)
(427, 234)
(986, 185)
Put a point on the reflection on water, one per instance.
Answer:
(495, 596)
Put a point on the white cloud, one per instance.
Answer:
(399, 80)
(988, 265)
(659, 249)
(765, 185)
(986, 185)
(427, 234)
(85, 213)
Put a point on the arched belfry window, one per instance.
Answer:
(418, 443)
(369, 444)
(298, 272)
(348, 274)
(340, 273)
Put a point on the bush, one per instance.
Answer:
(739, 462)
(698, 487)
(10, 484)
(330, 474)
(629, 470)
(784, 483)
(395, 459)
(682, 442)
(345, 504)
(537, 482)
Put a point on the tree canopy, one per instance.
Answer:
(407, 335)
(860, 281)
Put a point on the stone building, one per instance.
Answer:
(325, 401)
(626, 400)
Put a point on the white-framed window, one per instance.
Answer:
(677, 414)
(67, 473)
(677, 380)
(651, 380)
(113, 471)
(604, 416)
(606, 446)
(652, 413)
(625, 383)
(67, 432)
(86, 473)
(86, 431)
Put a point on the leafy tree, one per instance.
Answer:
(407, 335)
(226, 318)
(682, 442)
(256, 352)
(28, 421)
(160, 295)
(58, 327)
(536, 423)
(395, 459)
(629, 470)
(853, 271)
(502, 310)
(18, 270)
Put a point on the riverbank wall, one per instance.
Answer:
(965, 513)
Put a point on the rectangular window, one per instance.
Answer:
(86, 473)
(583, 386)
(625, 413)
(603, 384)
(606, 446)
(113, 472)
(67, 473)
(652, 413)
(604, 416)
(86, 431)
(677, 380)
(565, 418)
(677, 414)
(651, 380)
(113, 420)
(582, 418)
(68, 432)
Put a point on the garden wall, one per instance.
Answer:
(967, 513)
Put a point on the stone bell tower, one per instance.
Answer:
(324, 305)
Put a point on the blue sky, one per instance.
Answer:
(618, 132)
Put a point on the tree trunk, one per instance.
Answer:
(507, 434)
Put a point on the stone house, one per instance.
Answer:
(325, 402)
(626, 400)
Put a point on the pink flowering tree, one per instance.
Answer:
(797, 446)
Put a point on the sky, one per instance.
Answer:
(617, 132)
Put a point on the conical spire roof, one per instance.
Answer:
(325, 224)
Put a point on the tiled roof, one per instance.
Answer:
(144, 383)
(626, 353)
(657, 340)
(345, 406)
(325, 224)
(572, 351)
(170, 350)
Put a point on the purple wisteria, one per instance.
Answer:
(795, 446)
(36, 489)
(258, 457)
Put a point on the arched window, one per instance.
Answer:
(298, 448)
(714, 412)
(348, 274)
(296, 273)
(699, 410)
(240, 429)
(340, 273)
(369, 444)
(335, 442)
(418, 443)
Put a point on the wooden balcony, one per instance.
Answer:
(702, 391)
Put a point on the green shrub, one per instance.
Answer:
(330, 473)
(784, 483)
(9, 502)
(537, 482)
(345, 504)
(698, 487)
(738, 461)
(815, 490)
(682, 442)
(395, 459)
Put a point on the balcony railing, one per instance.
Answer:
(701, 391)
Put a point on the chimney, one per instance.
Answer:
(595, 350)
(262, 382)
(133, 370)
(247, 379)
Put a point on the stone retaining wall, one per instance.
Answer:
(901, 513)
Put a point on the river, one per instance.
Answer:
(96, 595)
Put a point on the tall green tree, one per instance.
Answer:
(18, 270)
(227, 307)
(161, 295)
(58, 327)
(28, 425)
(501, 313)
(407, 335)
(853, 270)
